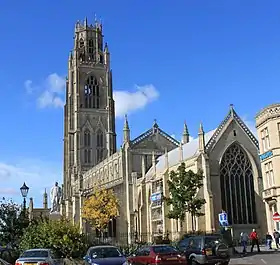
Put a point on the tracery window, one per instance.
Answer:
(99, 146)
(87, 156)
(87, 144)
(87, 140)
(92, 93)
(237, 186)
(90, 47)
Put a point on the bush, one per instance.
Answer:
(61, 236)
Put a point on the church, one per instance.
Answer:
(138, 171)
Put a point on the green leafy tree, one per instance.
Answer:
(183, 188)
(13, 221)
(61, 236)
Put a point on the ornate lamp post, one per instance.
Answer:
(24, 191)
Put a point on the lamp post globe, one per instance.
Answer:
(24, 191)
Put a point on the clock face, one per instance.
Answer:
(88, 90)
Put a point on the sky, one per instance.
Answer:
(171, 60)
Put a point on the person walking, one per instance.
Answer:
(244, 241)
(276, 236)
(255, 240)
(268, 239)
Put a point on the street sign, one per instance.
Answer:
(223, 220)
(156, 197)
(276, 217)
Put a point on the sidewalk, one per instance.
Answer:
(263, 248)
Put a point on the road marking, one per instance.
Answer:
(263, 261)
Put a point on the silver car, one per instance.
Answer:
(38, 256)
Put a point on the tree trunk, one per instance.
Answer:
(193, 223)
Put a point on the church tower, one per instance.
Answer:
(89, 112)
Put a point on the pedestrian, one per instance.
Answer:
(255, 240)
(276, 236)
(268, 239)
(244, 241)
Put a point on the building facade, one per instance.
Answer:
(268, 127)
(138, 172)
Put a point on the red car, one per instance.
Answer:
(157, 254)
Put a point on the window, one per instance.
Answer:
(87, 141)
(90, 47)
(99, 146)
(265, 139)
(237, 186)
(92, 93)
(87, 156)
(278, 125)
(269, 174)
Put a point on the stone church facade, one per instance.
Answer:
(138, 172)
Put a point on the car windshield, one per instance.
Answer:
(107, 252)
(211, 241)
(35, 254)
(164, 249)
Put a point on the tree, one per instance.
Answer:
(13, 221)
(183, 188)
(100, 208)
(61, 236)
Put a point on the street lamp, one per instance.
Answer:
(24, 191)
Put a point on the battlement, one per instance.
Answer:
(81, 26)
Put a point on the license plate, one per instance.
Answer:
(223, 254)
(30, 263)
(171, 258)
(209, 252)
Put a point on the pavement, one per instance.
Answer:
(265, 257)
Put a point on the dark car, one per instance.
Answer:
(104, 255)
(205, 249)
(157, 254)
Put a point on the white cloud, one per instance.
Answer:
(127, 102)
(51, 90)
(38, 175)
(29, 87)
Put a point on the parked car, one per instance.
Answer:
(37, 256)
(104, 255)
(157, 254)
(205, 249)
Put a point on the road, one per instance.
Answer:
(263, 258)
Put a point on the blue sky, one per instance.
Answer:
(193, 57)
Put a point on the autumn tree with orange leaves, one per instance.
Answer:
(101, 207)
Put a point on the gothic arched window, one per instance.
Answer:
(99, 146)
(87, 144)
(90, 47)
(237, 186)
(92, 93)
(87, 140)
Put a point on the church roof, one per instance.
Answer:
(231, 115)
(190, 149)
(154, 129)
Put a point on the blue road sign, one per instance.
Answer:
(223, 220)
(156, 197)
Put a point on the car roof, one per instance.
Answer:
(103, 246)
(161, 245)
(38, 249)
